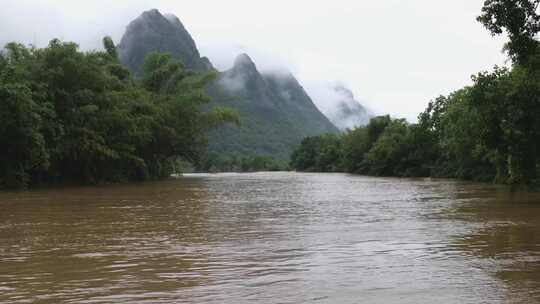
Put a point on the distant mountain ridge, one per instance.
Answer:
(275, 111)
(349, 112)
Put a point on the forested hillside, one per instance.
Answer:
(275, 111)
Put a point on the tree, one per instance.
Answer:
(23, 146)
(305, 157)
(508, 101)
(520, 19)
(355, 145)
(68, 116)
(110, 48)
(488, 131)
(183, 124)
(388, 156)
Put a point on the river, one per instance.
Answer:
(272, 238)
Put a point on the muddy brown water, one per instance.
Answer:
(272, 238)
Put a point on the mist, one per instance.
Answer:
(232, 83)
(335, 100)
(430, 47)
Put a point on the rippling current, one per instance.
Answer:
(272, 238)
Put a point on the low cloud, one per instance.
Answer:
(232, 83)
(338, 103)
(222, 54)
(439, 48)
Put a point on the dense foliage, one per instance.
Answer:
(68, 116)
(227, 163)
(488, 131)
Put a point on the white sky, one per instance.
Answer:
(396, 55)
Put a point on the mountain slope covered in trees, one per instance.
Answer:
(275, 111)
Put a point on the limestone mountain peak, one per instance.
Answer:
(153, 31)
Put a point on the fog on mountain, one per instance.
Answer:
(275, 110)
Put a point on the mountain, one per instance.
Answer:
(349, 112)
(276, 112)
(154, 32)
(338, 103)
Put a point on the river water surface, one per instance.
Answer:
(271, 238)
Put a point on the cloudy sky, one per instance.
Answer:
(396, 55)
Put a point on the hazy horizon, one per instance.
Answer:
(394, 55)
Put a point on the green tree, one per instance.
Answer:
(23, 146)
(521, 21)
(68, 116)
(388, 155)
(508, 101)
(356, 143)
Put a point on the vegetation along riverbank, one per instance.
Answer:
(74, 117)
(488, 131)
(68, 116)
